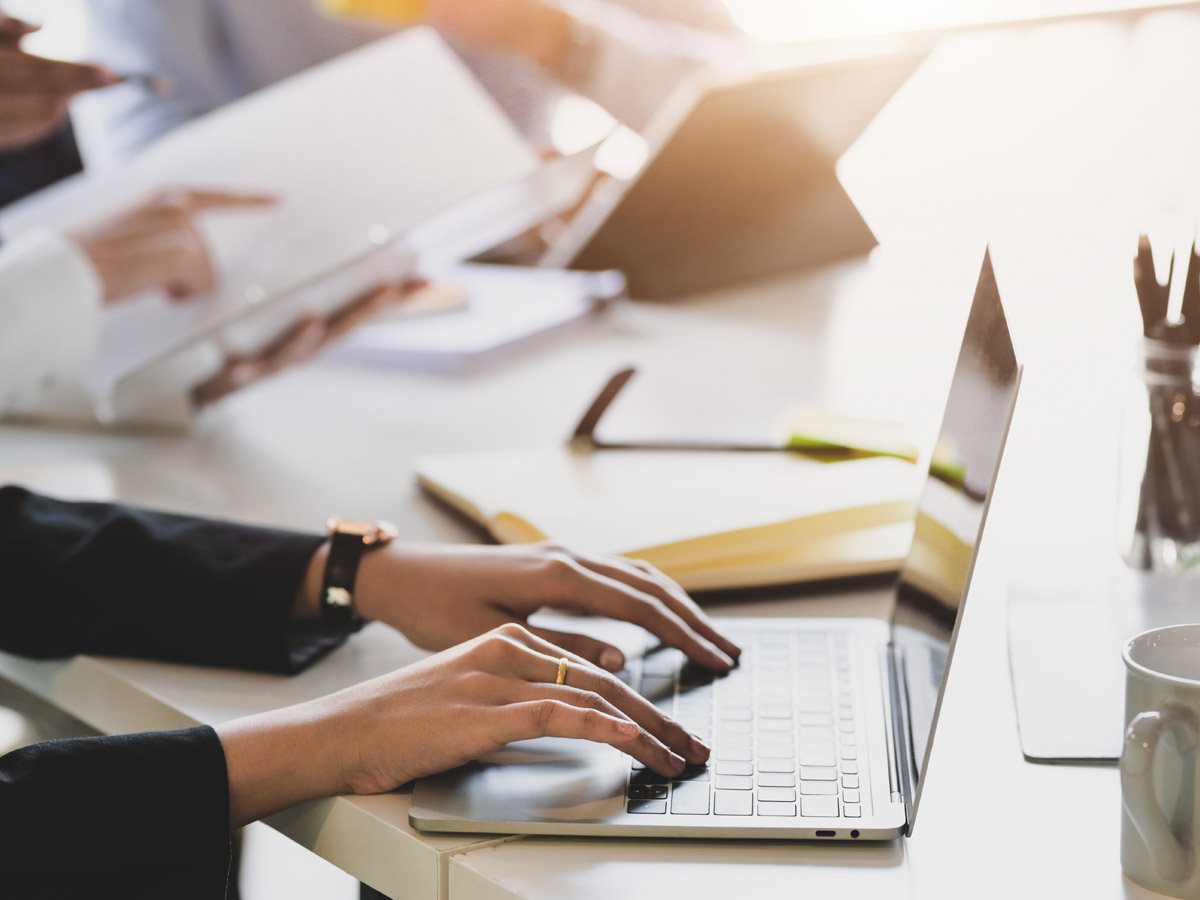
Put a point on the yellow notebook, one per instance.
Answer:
(708, 519)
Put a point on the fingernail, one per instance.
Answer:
(314, 333)
(612, 659)
(241, 373)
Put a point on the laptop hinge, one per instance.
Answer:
(899, 752)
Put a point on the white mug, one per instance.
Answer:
(1160, 762)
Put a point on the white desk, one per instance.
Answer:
(1012, 135)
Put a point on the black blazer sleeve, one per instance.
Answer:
(129, 816)
(134, 815)
(113, 580)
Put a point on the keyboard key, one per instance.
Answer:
(819, 807)
(646, 776)
(850, 781)
(776, 765)
(849, 767)
(818, 773)
(816, 719)
(776, 779)
(657, 791)
(655, 688)
(819, 788)
(725, 767)
(734, 740)
(733, 803)
(742, 754)
(777, 809)
(851, 796)
(815, 705)
(729, 708)
(849, 753)
(734, 715)
(849, 740)
(777, 795)
(775, 712)
(689, 799)
(817, 758)
(775, 725)
(692, 674)
(777, 742)
(773, 697)
(663, 662)
(776, 753)
(733, 782)
(724, 727)
(647, 806)
(637, 792)
(695, 773)
(854, 811)
(810, 735)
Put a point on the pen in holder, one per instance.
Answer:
(1159, 477)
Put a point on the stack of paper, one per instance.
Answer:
(508, 309)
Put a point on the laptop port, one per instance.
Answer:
(826, 834)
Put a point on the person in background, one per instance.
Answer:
(37, 146)
(53, 285)
(150, 815)
(626, 56)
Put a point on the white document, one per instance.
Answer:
(360, 149)
(508, 308)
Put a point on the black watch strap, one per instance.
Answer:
(337, 591)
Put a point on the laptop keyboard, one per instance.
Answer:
(782, 727)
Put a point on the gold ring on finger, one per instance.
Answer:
(563, 665)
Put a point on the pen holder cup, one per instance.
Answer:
(1159, 472)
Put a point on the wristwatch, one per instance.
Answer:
(348, 540)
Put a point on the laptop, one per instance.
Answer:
(741, 181)
(825, 727)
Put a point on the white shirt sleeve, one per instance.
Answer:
(50, 300)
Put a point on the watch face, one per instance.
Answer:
(349, 526)
(370, 532)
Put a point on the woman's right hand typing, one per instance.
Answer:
(442, 712)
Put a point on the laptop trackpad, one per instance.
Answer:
(544, 780)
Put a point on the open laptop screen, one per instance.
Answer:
(950, 515)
